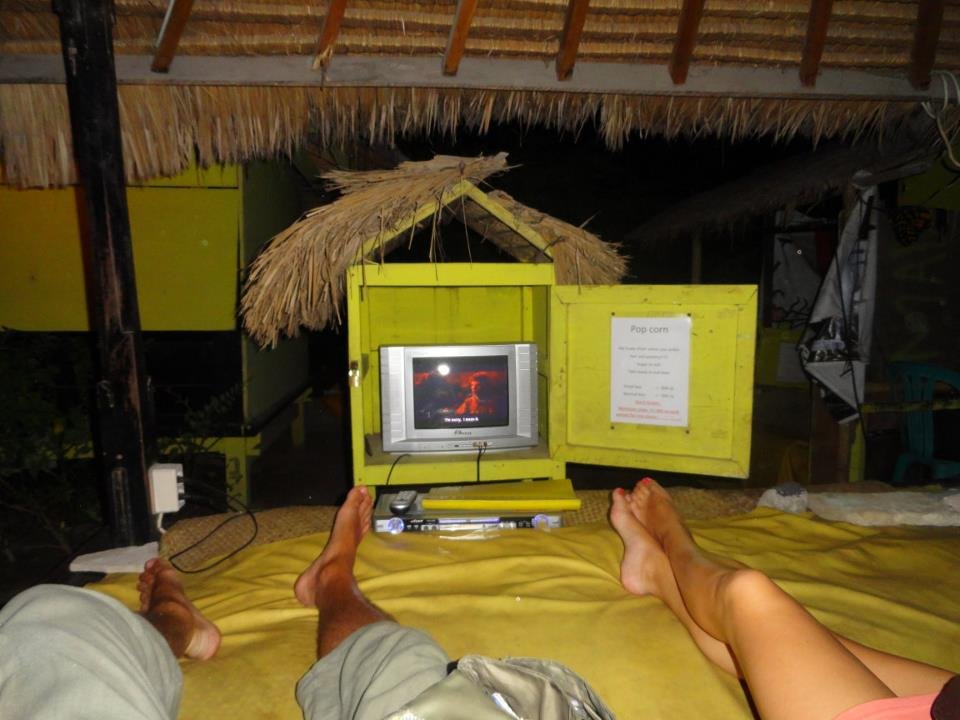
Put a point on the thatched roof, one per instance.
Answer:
(862, 33)
(241, 84)
(298, 279)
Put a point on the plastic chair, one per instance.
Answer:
(916, 382)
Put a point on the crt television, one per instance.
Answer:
(450, 398)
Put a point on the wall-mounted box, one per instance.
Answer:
(574, 329)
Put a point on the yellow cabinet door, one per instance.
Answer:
(653, 376)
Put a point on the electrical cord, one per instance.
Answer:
(937, 115)
(245, 512)
(393, 465)
(480, 451)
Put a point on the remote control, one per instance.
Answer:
(403, 502)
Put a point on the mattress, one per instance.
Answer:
(556, 594)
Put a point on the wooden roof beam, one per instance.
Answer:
(328, 35)
(457, 41)
(925, 39)
(687, 30)
(570, 39)
(173, 24)
(405, 71)
(817, 24)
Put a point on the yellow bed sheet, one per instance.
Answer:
(557, 595)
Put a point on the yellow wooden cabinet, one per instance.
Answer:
(572, 326)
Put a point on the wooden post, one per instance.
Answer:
(86, 35)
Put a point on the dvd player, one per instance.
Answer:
(416, 519)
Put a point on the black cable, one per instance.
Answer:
(393, 465)
(246, 512)
(480, 450)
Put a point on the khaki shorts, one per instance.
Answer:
(372, 673)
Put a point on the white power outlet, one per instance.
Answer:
(166, 487)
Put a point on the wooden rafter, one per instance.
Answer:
(925, 39)
(683, 46)
(570, 39)
(328, 35)
(457, 41)
(404, 71)
(816, 38)
(174, 23)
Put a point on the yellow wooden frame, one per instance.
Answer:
(541, 318)
(717, 440)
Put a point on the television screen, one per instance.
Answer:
(458, 398)
(460, 392)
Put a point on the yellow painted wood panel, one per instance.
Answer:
(447, 468)
(271, 201)
(185, 250)
(445, 315)
(451, 274)
(215, 176)
(717, 437)
(42, 284)
(185, 245)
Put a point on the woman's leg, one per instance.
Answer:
(902, 675)
(794, 666)
(645, 570)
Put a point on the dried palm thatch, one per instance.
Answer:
(863, 33)
(579, 257)
(298, 280)
(166, 129)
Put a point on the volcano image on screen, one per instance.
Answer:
(460, 392)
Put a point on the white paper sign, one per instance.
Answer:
(650, 370)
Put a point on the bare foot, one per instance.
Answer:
(652, 506)
(352, 522)
(644, 564)
(164, 604)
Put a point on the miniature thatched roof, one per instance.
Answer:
(298, 279)
(241, 84)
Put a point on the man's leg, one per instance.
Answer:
(165, 606)
(329, 583)
(368, 666)
(794, 666)
(66, 651)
